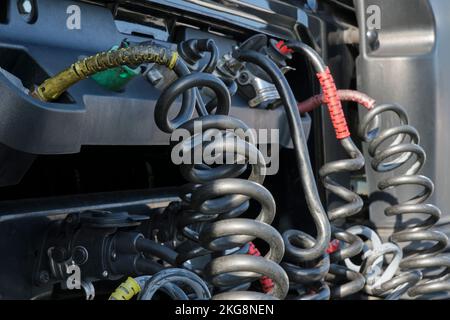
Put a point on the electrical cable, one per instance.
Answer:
(156, 249)
(175, 277)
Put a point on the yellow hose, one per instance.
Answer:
(53, 87)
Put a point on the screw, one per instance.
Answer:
(243, 78)
(43, 278)
(372, 39)
(154, 76)
(72, 218)
(105, 274)
(27, 10)
(25, 6)
(113, 256)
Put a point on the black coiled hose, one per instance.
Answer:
(351, 245)
(304, 253)
(391, 149)
(354, 202)
(352, 281)
(306, 278)
(215, 198)
(301, 152)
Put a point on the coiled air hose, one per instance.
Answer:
(301, 152)
(295, 258)
(390, 284)
(300, 247)
(171, 281)
(398, 148)
(215, 198)
(354, 204)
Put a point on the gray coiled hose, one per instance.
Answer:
(393, 149)
(215, 198)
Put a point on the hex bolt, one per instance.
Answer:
(154, 76)
(25, 6)
(243, 78)
(27, 10)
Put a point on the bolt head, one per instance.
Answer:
(44, 277)
(26, 6)
(372, 39)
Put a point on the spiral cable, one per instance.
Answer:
(171, 281)
(306, 278)
(354, 203)
(382, 277)
(353, 281)
(391, 149)
(215, 197)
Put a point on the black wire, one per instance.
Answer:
(188, 102)
(301, 151)
(158, 250)
(314, 57)
(146, 266)
(182, 85)
(208, 45)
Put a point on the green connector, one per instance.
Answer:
(115, 79)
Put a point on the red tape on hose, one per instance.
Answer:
(331, 98)
(266, 283)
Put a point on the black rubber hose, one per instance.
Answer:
(208, 45)
(313, 56)
(189, 97)
(158, 250)
(193, 50)
(148, 267)
(301, 151)
(182, 85)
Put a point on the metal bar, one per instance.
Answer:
(46, 207)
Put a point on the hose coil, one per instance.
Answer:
(395, 148)
(215, 198)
